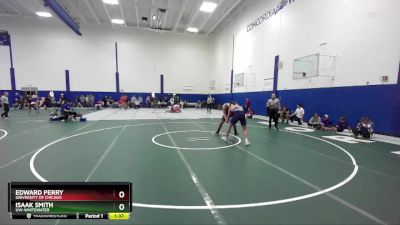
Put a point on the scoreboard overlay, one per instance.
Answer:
(70, 200)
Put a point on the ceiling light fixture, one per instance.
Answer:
(193, 29)
(117, 21)
(44, 14)
(111, 2)
(208, 6)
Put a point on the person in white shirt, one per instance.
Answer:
(298, 115)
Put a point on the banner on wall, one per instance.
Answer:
(261, 19)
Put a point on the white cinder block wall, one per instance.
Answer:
(364, 34)
(43, 50)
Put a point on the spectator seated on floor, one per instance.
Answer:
(17, 101)
(327, 124)
(162, 103)
(42, 101)
(154, 102)
(365, 128)
(198, 105)
(204, 104)
(249, 113)
(315, 121)
(110, 102)
(99, 105)
(113, 103)
(137, 104)
(284, 114)
(185, 104)
(342, 125)
(105, 102)
(82, 101)
(61, 99)
(78, 102)
(34, 103)
(47, 102)
(92, 101)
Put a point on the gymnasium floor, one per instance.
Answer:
(182, 173)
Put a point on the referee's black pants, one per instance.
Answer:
(6, 110)
(273, 115)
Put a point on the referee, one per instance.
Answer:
(4, 101)
(273, 106)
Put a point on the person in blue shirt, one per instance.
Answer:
(67, 111)
(342, 125)
(327, 124)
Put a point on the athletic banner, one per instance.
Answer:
(268, 14)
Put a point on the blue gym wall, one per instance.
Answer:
(379, 102)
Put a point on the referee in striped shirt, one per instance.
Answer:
(4, 101)
(273, 106)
